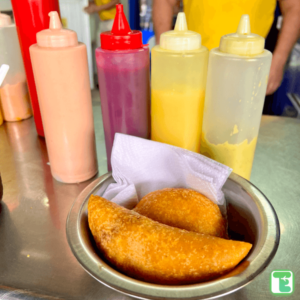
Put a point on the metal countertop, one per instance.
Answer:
(35, 259)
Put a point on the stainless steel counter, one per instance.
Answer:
(35, 259)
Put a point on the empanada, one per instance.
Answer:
(150, 251)
(184, 209)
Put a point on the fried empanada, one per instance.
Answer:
(184, 209)
(150, 251)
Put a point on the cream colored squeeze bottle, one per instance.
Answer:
(14, 96)
(236, 87)
(60, 70)
(178, 78)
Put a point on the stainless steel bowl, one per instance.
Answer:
(251, 218)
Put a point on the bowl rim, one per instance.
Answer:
(115, 280)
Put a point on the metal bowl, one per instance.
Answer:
(251, 218)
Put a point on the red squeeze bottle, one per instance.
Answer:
(31, 16)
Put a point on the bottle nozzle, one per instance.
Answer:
(180, 39)
(120, 26)
(181, 24)
(121, 37)
(244, 25)
(56, 36)
(243, 42)
(54, 21)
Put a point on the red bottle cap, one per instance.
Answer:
(121, 37)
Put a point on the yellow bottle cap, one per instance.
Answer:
(180, 39)
(243, 42)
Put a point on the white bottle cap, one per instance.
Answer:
(180, 39)
(243, 42)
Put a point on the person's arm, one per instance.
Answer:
(288, 36)
(93, 8)
(162, 16)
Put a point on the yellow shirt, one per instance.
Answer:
(106, 14)
(215, 18)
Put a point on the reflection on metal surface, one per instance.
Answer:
(26, 157)
(46, 201)
(28, 226)
(12, 294)
(282, 229)
(36, 255)
(246, 205)
(238, 270)
(33, 216)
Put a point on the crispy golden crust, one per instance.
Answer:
(154, 252)
(184, 209)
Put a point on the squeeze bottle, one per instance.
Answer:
(31, 16)
(236, 86)
(14, 97)
(178, 78)
(123, 73)
(60, 69)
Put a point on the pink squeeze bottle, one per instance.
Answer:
(61, 76)
(123, 73)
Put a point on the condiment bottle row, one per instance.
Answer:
(209, 103)
(224, 93)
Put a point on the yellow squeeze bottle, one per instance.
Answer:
(178, 78)
(236, 87)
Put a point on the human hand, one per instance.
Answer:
(91, 9)
(276, 74)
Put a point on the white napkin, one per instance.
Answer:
(141, 166)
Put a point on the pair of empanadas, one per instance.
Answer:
(154, 252)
